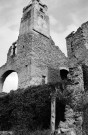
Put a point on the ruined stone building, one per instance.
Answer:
(34, 55)
(37, 61)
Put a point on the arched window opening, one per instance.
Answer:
(10, 82)
(63, 74)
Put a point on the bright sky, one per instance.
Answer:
(65, 16)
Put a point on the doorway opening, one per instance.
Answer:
(60, 112)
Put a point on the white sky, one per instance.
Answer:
(65, 16)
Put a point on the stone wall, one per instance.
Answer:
(77, 46)
(42, 56)
(73, 94)
(36, 56)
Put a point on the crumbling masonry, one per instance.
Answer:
(38, 61)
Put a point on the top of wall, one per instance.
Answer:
(77, 45)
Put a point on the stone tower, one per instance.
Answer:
(35, 18)
(34, 55)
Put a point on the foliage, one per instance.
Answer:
(26, 110)
(37, 132)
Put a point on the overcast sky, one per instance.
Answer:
(65, 16)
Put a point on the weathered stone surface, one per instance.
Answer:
(73, 122)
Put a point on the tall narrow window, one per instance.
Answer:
(43, 79)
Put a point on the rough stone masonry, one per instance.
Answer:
(38, 61)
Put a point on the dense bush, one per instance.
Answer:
(26, 110)
(37, 132)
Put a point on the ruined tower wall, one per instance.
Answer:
(41, 57)
(77, 46)
(36, 56)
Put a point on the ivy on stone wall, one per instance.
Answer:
(27, 109)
